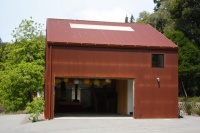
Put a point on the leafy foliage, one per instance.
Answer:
(143, 17)
(189, 60)
(186, 16)
(2, 48)
(159, 18)
(35, 108)
(158, 4)
(189, 99)
(22, 66)
(197, 111)
(187, 28)
(188, 108)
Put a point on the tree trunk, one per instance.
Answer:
(184, 89)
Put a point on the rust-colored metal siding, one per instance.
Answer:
(151, 100)
(121, 87)
(48, 94)
(76, 52)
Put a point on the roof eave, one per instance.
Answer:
(112, 46)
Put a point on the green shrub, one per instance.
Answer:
(189, 99)
(188, 108)
(197, 111)
(35, 108)
(182, 99)
(1, 109)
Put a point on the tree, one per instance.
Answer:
(159, 18)
(186, 31)
(143, 17)
(186, 14)
(23, 67)
(132, 19)
(2, 48)
(189, 63)
(158, 4)
(126, 19)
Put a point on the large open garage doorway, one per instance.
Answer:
(93, 97)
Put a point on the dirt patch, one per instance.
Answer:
(27, 119)
(1, 109)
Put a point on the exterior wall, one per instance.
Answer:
(151, 100)
(121, 87)
(49, 84)
(130, 96)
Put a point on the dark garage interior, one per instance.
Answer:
(85, 95)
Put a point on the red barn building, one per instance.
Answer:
(110, 67)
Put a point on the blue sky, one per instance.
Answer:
(13, 11)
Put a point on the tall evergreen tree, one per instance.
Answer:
(186, 14)
(132, 19)
(126, 19)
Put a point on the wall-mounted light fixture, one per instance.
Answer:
(108, 81)
(76, 81)
(158, 80)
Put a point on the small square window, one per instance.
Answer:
(157, 60)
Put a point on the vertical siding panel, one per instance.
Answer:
(122, 86)
(150, 100)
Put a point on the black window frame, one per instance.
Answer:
(157, 60)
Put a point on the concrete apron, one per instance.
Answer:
(92, 116)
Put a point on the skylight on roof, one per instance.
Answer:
(100, 27)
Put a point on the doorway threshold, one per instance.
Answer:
(103, 116)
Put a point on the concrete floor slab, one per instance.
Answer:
(188, 124)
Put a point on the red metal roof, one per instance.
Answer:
(142, 35)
